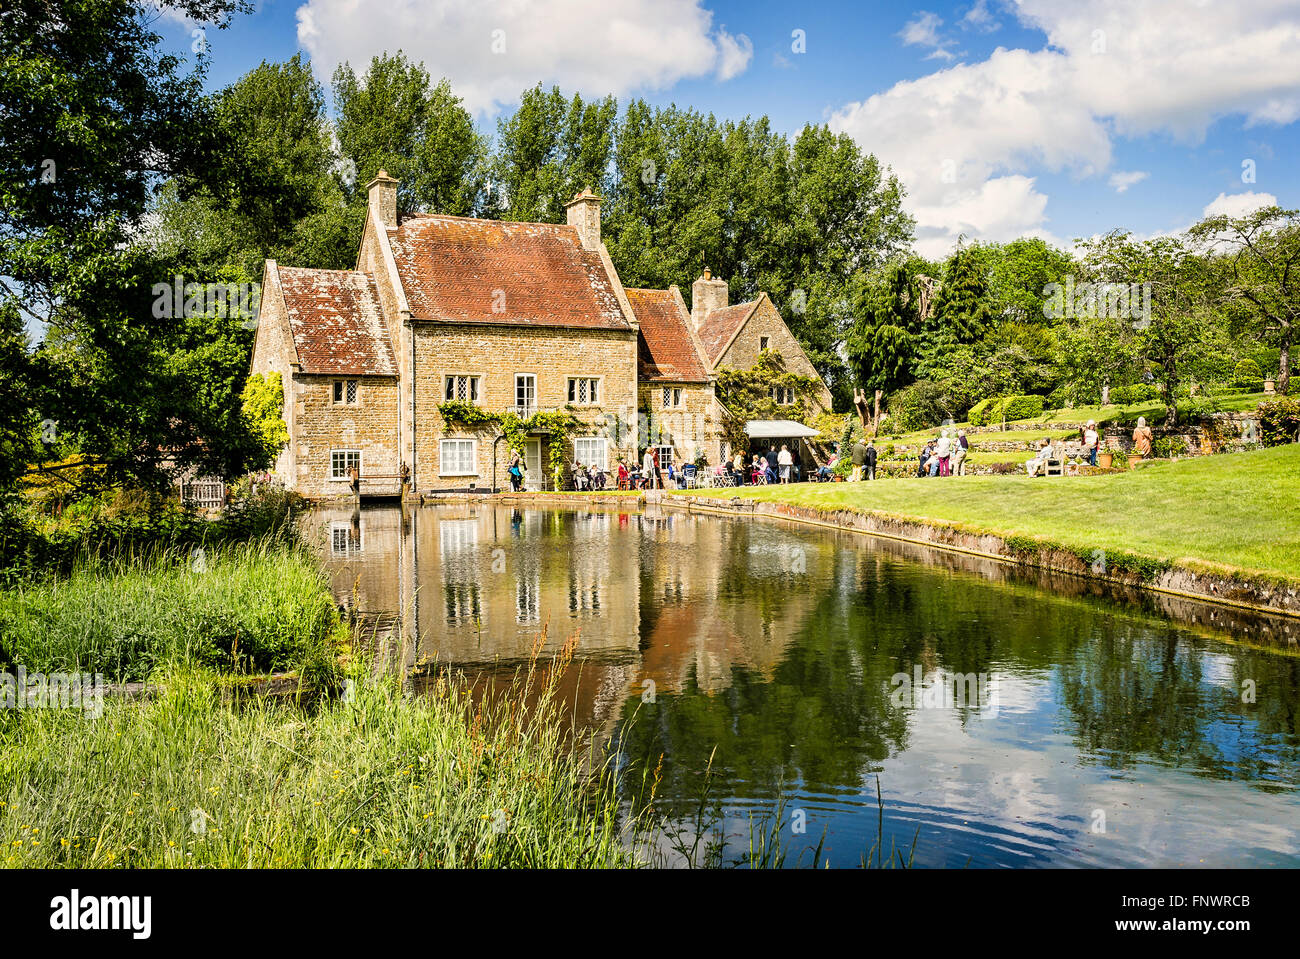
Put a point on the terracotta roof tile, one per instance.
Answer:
(719, 326)
(666, 349)
(336, 322)
(491, 271)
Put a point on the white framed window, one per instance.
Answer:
(672, 396)
(591, 451)
(458, 457)
(584, 390)
(663, 456)
(525, 394)
(345, 391)
(342, 462)
(458, 387)
(784, 395)
(764, 342)
(345, 539)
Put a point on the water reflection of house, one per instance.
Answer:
(656, 597)
(704, 623)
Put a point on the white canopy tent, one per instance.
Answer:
(777, 430)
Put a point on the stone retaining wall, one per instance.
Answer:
(1258, 595)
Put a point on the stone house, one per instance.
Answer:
(506, 316)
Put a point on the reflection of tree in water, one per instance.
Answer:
(814, 719)
(1134, 695)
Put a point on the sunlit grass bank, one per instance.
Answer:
(258, 607)
(373, 780)
(1234, 512)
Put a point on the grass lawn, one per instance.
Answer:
(1234, 511)
(1048, 423)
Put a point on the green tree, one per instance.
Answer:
(1260, 253)
(881, 346)
(549, 149)
(1178, 334)
(96, 116)
(395, 118)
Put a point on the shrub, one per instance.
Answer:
(1279, 421)
(923, 404)
(1248, 375)
(1137, 393)
(1021, 408)
(979, 413)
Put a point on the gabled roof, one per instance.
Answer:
(462, 270)
(336, 322)
(720, 327)
(665, 348)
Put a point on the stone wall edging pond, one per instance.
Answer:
(1231, 590)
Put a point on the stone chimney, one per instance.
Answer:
(707, 294)
(382, 191)
(584, 214)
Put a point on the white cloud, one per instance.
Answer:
(491, 52)
(734, 54)
(1238, 204)
(970, 133)
(980, 18)
(1121, 180)
(923, 31)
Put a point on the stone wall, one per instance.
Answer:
(321, 425)
(495, 355)
(695, 425)
(743, 352)
(273, 352)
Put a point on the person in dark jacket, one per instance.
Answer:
(859, 459)
(869, 461)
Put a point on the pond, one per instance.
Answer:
(1007, 718)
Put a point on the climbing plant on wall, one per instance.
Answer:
(748, 395)
(263, 408)
(559, 424)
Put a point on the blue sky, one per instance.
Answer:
(1058, 118)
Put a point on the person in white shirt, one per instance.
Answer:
(648, 468)
(942, 449)
(1091, 440)
(784, 461)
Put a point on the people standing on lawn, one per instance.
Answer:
(859, 459)
(772, 463)
(960, 447)
(1091, 440)
(942, 450)
(1142, 438)
(785, 463)
(869, 460)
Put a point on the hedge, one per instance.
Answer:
(1137, 393)
(1021, 408)
(979, 413)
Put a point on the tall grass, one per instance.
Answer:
(372, 780)
(254, 607)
